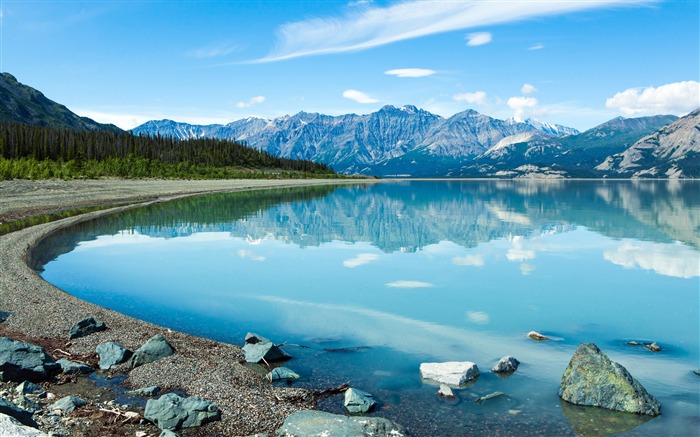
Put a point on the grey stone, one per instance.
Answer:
(27, 404)
(279, 373)
(72, 368)
(156, 348)
(66, 405)
(167, 433)
(23, 416)
(85, 327)
(490, 396)
(9, 426)
(29, 388)
(111, 354)
(173, 412)
(145, 392)
(358, 401)
(21, 361)
(537, 336)
(318, 423)
(506, 364)
(653, 347)
(4, 315)
(593, 379)
(697, 372)
(258, 348)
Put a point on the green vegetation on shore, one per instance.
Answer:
(43, 152)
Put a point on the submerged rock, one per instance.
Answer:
(490, 396)
(71, 367)
(358, 401)
(156, 348)
(506, 364)
(279, 373)
(537, 336)
(111, 354)
(453, 373)
(593, 379)
(258, 348)
(85, 327)
(599, 422)
(172, 411)
(318, 423)
(22, 415)
(21, 361)
(66, 405)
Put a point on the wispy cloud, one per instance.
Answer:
(409, 284)
(478, 317)
(214, 50)
(478, 97)
(252, 102)
(360, 260)
(250, 255)
(479, 38)
(358, 96)
(369, 25)
(410, 72)
(469, 260)
(536, 47)
(674, 98)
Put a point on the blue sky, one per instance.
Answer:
(577, 63)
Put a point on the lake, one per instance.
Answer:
(363, 283)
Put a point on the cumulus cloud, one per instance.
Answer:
(372, 25)
(520, 106)
(358, 96)
(360, 260)
(410, 72)
(674, 98)
(478, 97)
(479, 38)
(528, 89)
(252, 102)
(665, 259)
(469, 260)
(250, 255)
(409, 284)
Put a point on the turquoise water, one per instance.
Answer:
(373, 280)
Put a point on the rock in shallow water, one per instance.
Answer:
(172, 411)
(506, 364)
(258, 348)
(453, 373)
(593, 379)
(21, 361)
(358, 401)
(318, 423)
(279, 373)
(537, 336)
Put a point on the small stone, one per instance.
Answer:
(111, 354)
(141, 434)
(653, 347)
(85, 327)
(28, 404)
(4, 315)
(29, 388)
(50, 396)
(537, 336)
(634, 343)
(156, 348)
(280, 373)
(145, 392)
(506, 364)
(490, 396)
(167, 433)
(445, 391)
(358, 401)
(73, 368)
(66, 405)
(697, 372)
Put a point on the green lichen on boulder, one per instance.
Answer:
(593, 379)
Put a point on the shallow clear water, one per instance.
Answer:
(374, 280)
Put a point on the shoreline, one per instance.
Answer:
(43, 313)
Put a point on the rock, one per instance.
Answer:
(697, 372)
(506, 364)
(258, 348)
(145, 392)
(454, 373)
(156, 348)
(358, 401)
(599, 422)
(593, 379)
(318, 423)
(85, 327)
(21, 361)
(445, 391)
(280, 373)
(9, 426)
(173, 412)
(29, 388)
(71, 367)
(537, 336)
(66, 405)
(27, 404)
(653, 347)
(111, 354)
(167, 433)
(490, 396)
(634, 343)
(23, 416)
(4, 315)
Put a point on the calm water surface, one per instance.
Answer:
(374, 280)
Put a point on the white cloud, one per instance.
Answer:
(520, 105)
(358, 96)
(479, 38)
(519, 254)
(213, 51)
(250, 255)
(478, 97)
(370, 25)
(409, 284)
(528, 89)
(674, 98)
(536, 47)
(252, 102)
(478, 317)
(360, 260)
(410, 72)
(469, 260)
(526, 269)
(674, 260)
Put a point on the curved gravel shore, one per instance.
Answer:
(43, 313)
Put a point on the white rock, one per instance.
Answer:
(453, 373)
(445, 391)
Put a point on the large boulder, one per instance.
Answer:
(9, 426)
(156, 348)
(85, 327)
(593, 379)
(111, 354)
(21, 361)
(454, 373)
(258, 348)
(358, 401)
(23, 416)
(172, 411)
(318, 423)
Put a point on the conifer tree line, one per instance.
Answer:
(111, 153)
